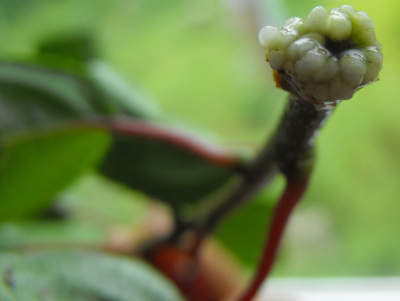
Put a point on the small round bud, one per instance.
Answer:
(346, 9)
(316, 37)
(362, 21)
(373, 55)
(372, 74)
(298, 48)
(338, 27)
(270, 37)
(289, 37)
(352, 68)
(329, 71)
(317, 19)
(276, 59)
(308, 64)
(292, 23)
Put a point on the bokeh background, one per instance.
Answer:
(201, 61)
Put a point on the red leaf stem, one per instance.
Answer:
(183, 139)
(294, 190)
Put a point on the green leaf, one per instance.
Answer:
(35, 99)
(249, 225)
(96, 195)
(121, 93)
(246, 225)
(26, 233)
(41, 147)
(94, 206)
(78, 50)
(163, 170)
(77, 46)
(32, 96)
(80, 275)
(34, 168)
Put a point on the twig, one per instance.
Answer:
(293, 193)
(323, 60)
(290, 150)
(199, 147)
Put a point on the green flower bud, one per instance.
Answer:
(326, 57)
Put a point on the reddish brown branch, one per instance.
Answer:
(174, 136)
(228, 157)
(295, 189)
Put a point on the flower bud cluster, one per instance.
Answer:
(330, 54)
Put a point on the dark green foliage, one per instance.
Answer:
(35, 168)
(43, 143)
(54, 125)
(74, 46)
(163, 170)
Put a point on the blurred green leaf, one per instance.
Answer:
(77, 46)
(163, 170)
(27, 233)
(34, 168)
(41, 147)
(105, 201)
(121, 93)
(210, 74)
(160, 169)
(33, 96)
(80, 275)
(94, 206)
(78, 50)
(244, 231)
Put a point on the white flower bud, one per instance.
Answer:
(372, 74)
(347, 9)
(316, 37)
(317, 19)
(298, 48)
(353, 67)
(362, 21)
(329, 71)
(338, 27)
(308, 64)
(270, 37)
(276, 59)
(373, 55)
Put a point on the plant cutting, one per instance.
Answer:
(320, 61)
(86, 114)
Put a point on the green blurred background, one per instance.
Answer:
(202, 62)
